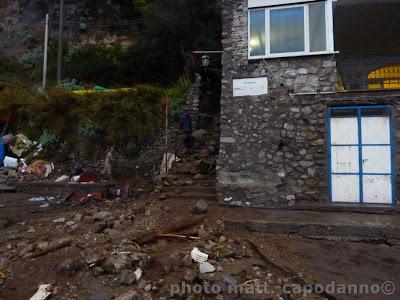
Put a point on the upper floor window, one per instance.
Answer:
(291, 30)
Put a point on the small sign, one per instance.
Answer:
(250, 87)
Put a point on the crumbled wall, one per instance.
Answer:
(272, 150)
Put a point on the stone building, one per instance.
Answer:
(290, 134)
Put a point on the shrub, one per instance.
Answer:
(124, 119)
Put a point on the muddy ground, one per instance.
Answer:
(248, 265)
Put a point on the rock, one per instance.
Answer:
(92, 260)
(59, 221)
(199, 177)
(69, 266)
(97, 271)
(131, 295)
(189, 276)
(228, 254)
(100, 216)
(187, 260)
(206, 267)
(200, 135)
(204, 166)
(26, 250)
(70, 223)
(222, 239)
(189, 182)
(183, 167)
(200, 207)
(116, 263)
(127, 277)
(4, 262)
(204, 153)
(229, 280)
(43, 245)
(4, 223)
(77, 218)
(148, 288)
(99, 227)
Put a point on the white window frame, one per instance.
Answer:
(328, 23)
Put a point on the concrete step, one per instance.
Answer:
(54, 188)
(320, 224)
(192, 196)
(190, 188)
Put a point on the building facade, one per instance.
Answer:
(288, 136)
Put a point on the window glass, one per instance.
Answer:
(317, 27)
(287, 30)
(257, 33)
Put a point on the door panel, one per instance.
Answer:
(361, 155)
(346, 188)
(377, 189)
(375, 130)
(376, 159)
(345, 159)
(344, 131)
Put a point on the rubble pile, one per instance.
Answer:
(112, 246)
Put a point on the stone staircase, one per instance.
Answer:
(192, 177)
(189, 187)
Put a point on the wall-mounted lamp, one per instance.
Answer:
(205, 61)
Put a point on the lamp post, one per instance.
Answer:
(205, 61)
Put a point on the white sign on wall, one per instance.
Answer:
(250, 86)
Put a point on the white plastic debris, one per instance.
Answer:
(43, 292)
(10, 162)
(206, 267)
(228, 199)
(168, 160)
(49, 169)
(198, 256)
(75, 178)
(63, 178)
(138, 273)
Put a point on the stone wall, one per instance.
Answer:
(272, 147)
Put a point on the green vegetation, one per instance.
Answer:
(163, 35)
(61, 119)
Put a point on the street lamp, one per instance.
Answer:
(205, 61)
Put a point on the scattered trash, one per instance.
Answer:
(206, 267)
(59, 221)
(63, 178)
(138, 273)
(43, 198)
(43, 292)
(168, 160)
(44, 205)
(78, 198)
(87, 176)
(20, 144)
(40, 168)
(229, 280)
(122, 192)
(75, 178)
(76, 171)
(198, 256)
(200, 207)
(10, 162)
(228, 199)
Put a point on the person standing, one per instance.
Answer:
(185, 122)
